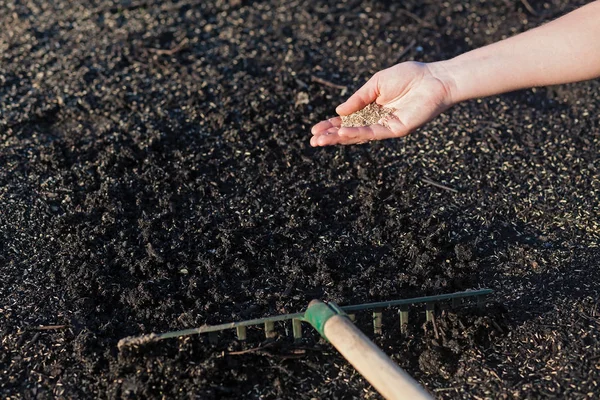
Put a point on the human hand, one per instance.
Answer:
(417, 92)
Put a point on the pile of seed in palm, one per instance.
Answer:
(371, 114)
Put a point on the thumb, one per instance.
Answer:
(364, 96)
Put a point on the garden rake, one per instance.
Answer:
(334, 323)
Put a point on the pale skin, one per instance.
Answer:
(565, 50)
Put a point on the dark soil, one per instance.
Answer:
(156, 174)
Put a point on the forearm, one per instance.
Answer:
(562, 51)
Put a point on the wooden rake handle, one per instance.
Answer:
(373, 364)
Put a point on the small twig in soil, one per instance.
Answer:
(590, 318)
(497, 327)
(415, 17)
(33, 340)
(438, 185)
(406, 50)
(496, 138)
(290, 356)
(259, 351)
(145, 4)
(326, 83)
(301, 83)
(444, 389)
(288, 289)
(283, 369)
(170, 52)
(120, 7)
(49, 194)
(496, 375)
(435, 329)
(50, 327)
(252, 350)
(529, 7)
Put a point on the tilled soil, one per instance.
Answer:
(156, 174)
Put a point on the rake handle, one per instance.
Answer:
(368, 359)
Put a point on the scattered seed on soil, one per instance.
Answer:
(371, 114)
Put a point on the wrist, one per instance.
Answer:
(478, 73)
(443, 72)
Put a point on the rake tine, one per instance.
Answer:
(297, 329)
(429, 309)
(377, 322)
(270, 330)
(481, 302)
(403, 319)
(456, 302)
(241, 332)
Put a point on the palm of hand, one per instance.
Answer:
(409, 88)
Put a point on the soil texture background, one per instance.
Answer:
(156, 174)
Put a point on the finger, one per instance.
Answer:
(366, 133)
(330, 139)
(335, 139)
(352, 135)
(361, 98)
(327, 132)
(327, 124)
(323, 140)
(314, 141)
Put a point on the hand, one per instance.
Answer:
(417, 92)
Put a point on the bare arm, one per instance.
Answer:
(562, 51)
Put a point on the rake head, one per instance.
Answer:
(268, 323)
